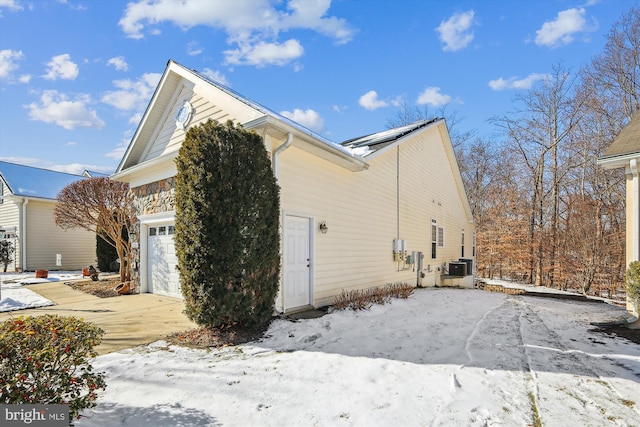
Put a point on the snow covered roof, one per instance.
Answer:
(267, 111)
(35, 182)
(365, 145)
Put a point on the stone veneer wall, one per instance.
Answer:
(156, 197)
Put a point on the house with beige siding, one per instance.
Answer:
(27, 202)
(624, 152)
(382, 208)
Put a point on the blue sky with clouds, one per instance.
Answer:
(77, 75)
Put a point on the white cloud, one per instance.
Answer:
(119, 63)
(73, 168)
(216, 75)
(252, 26)
(516, 83)
(9, 61)
(432, 96)
(264, 53)
(61, 67)
(12, 5)
(194, 49)
(57, 108)
(370, 101)
(132, 95)
(308, 118)
(25, 78)
(78, 168)
(456, 32)
(562, 30)
(135, 119)
(118, 152)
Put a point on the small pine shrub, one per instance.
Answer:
(365, 298)
(45, 359)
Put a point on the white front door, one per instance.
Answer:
(162, 275)
(296, 262)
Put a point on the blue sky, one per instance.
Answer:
(77, 75)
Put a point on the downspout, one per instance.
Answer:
(277, 151)
(632, 308)
(23, 235)
(274, 164)
(398, 192)
(636, 211)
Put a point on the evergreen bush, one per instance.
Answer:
(227, 217)
(45, 359)
(632, 282)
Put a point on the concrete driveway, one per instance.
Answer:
(128, 320)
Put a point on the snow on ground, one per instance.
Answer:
(444, 357)
(14, 296)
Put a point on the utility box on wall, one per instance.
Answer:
(399, 249)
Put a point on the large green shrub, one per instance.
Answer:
(45, 359)
(227, 240)
(632, 281)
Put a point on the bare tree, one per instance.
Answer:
(614, 75)
(102, 206)
(539, 130)
(408, 114)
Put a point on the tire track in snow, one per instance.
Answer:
(495, 354)
(566, 380)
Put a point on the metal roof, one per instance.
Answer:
(35, 182)
(375, 141)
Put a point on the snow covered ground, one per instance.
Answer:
(444, 357)
(14, 296)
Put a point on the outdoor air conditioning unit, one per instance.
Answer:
(469, 263)
(457, 269)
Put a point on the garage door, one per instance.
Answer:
(163, 277)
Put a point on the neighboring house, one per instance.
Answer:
(26, 219)
(353, 215)
(624, 152)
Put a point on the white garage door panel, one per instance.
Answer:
(163, 277)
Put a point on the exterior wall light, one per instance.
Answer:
(323, 227)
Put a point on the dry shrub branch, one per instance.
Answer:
(365, 298)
